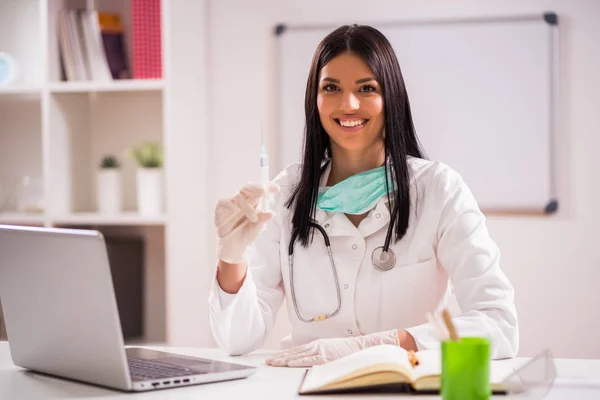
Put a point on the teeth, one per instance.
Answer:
(351, 123)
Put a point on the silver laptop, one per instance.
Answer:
(61, 316)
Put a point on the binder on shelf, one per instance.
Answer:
(146, 39)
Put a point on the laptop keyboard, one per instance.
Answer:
(149, 370)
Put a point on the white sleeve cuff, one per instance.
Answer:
(221, 301)
(425, 336)
(225, 298)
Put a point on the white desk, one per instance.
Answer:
(579, 379)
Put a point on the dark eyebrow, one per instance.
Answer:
(363, 80)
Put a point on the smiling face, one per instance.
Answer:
(350, 103)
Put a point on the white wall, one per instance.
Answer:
(553, 262)
(186, 151)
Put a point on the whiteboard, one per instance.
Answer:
(483, 97)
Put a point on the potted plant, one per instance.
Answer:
(149, 157)
(108, 190)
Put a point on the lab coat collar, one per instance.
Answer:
(336, 224)
(378, 218)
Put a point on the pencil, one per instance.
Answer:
(448, 321)
(437, 326)
(412, 357)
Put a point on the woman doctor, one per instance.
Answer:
(395, 244)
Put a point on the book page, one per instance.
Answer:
(430, 363)
(500, 370)
(321, 375)
(429, 371)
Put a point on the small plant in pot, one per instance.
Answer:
(108, 188)
(109, 162)
(149, 158)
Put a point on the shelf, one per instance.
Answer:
(19, 90)
(17, 218)
(124, 218)
(114, 86)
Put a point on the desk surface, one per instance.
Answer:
(578, 379)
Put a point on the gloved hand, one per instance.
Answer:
(239, 223)
(324, 350)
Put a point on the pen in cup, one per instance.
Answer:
(439, 328)
(451, 328)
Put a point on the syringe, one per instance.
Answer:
(264, 172)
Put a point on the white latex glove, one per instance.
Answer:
(324, 350)
(239, 222)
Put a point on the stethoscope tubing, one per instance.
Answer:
(381, 262)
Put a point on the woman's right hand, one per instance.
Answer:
(239, 222)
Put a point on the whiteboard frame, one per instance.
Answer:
(552, 20)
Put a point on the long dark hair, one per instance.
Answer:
(400, 137)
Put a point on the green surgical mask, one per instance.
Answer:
(356, 194)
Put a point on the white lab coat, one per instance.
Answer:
(447, 240)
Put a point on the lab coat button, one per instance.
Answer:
(354, 247)
(377, 215)
(349, 331)
(327, 226)
(346, 286)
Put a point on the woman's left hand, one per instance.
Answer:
(324, 350)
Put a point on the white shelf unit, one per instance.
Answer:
(83, 128)
(56, 133)
(20, 90)
(124, 218)
(17, 218)
(116, 86)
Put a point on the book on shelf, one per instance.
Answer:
(92, 46)
(112, 33)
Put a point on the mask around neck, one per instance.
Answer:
(356, 194)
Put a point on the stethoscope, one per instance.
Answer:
(382, 258)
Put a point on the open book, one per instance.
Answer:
(387, 367)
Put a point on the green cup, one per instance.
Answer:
(466, 369)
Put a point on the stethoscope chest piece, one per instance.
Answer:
(383, 261)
